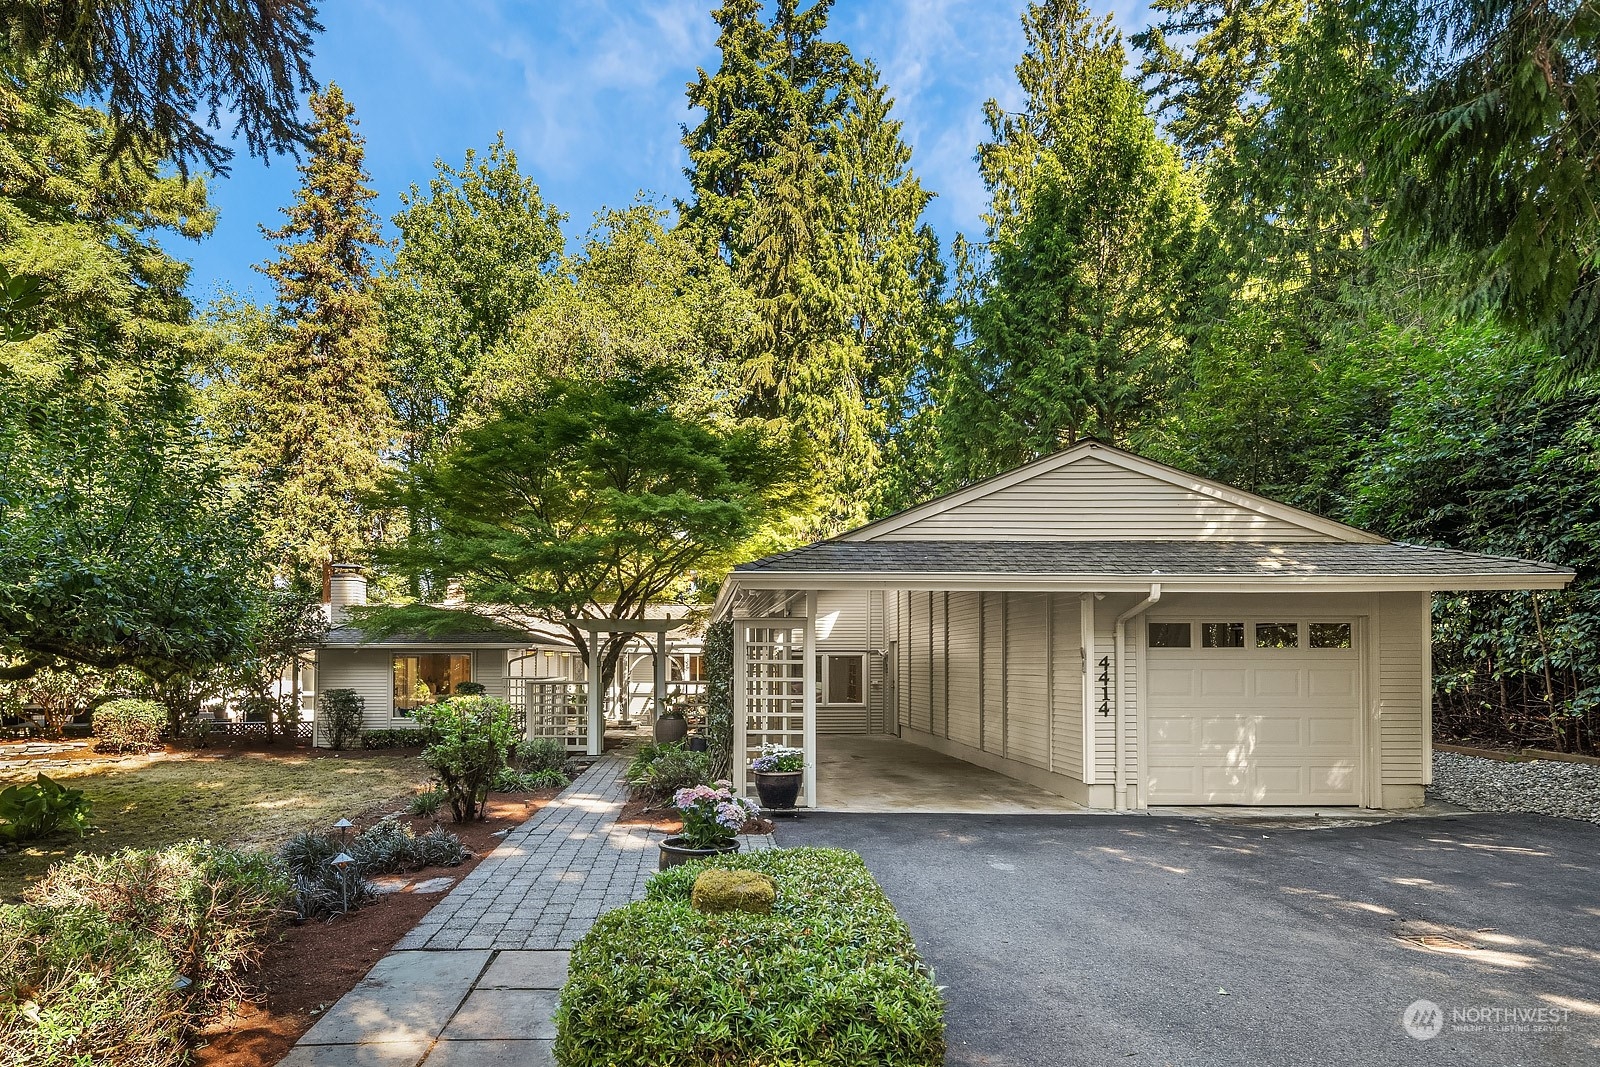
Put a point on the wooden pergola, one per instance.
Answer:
(595, 627)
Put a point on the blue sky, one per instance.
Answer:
(591, 97)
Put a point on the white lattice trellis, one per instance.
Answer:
(557, 707)
(776, 705)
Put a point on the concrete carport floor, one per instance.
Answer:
(1195, 943)
(879, 773)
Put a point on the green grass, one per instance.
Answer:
(246, 800)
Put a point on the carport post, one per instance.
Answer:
(661, 674)
(809, 706)
(597, 726)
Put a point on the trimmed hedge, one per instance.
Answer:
(829, 979)
(395, 737)
(129, 725)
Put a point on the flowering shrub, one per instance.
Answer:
(777, 758)
(712, 815)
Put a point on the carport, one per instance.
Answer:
(1108, 630)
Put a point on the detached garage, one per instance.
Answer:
(1112, 630)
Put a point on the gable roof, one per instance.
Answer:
(1095, 491)
(1111, 565)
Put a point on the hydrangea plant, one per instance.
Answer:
(778, 758)
(712, 814)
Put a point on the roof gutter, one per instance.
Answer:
(1119, 642)
(1124, 583)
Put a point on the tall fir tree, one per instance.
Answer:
(320, 423)
(801, 181)
(1072, 321)
(476, 252)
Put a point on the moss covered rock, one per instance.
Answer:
(718, 891)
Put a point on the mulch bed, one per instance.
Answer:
(316, 963)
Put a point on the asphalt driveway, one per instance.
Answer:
(1110, 939)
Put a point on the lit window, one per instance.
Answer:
(841, 679)
(427, 679)
(1222, 635)
(1277, 635)
(1169, 635)
(1330, 635)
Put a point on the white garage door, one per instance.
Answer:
(1253, 711)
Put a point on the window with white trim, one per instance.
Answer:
(842, 678)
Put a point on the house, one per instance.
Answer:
(535, 667)
(1111, 630)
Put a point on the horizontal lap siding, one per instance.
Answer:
(963, 659)
(1093, 499)
(1402, 690)
(1027, 712)
(369, 672)
(1066, 700)
(938, 706)
(993, 673)
(843, 626)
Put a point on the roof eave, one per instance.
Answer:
(1115, 583)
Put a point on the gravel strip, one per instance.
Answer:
(1544, 787)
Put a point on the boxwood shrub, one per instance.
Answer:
(829, 978)
(129, 725)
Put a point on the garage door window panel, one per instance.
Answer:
(1222, 635)
(1331, 635)
(1169, 635)
(1277, 635)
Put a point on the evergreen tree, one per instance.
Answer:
(801, 182)
(1092, 220)
(320, 423)
(168, 71)
(475, 254)
(1496, 154)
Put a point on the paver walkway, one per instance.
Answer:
(476, 983)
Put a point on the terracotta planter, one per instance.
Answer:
(674, 853)
(670, 730)
(778, 789)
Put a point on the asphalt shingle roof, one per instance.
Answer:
(1140, 559)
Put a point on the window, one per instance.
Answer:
(1222, 635)
(1277, 635)
(427, 678)
(1169, 635)
(1330, 635)
(689, 667)
(841, 679)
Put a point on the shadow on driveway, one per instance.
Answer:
(1105, 940)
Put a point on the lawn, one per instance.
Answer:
(254, 799)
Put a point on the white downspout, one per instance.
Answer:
(1119, 639)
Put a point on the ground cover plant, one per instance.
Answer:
(829, 977)
(40, 808)
(243, 799)
(659, 771)
(386, 847)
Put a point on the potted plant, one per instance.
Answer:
(671, 725)
(712, 819)
(778, 770)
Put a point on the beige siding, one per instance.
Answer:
(1027, 705)
(1404, 619)
(939, 712)
(843, 625)
(963, 659)
(918, 680)
(1093, 499)
(370, 672)
(992, 673)
(1066, 687)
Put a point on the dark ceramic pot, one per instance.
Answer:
(673, 852)
(671, 729)
(778, 789)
